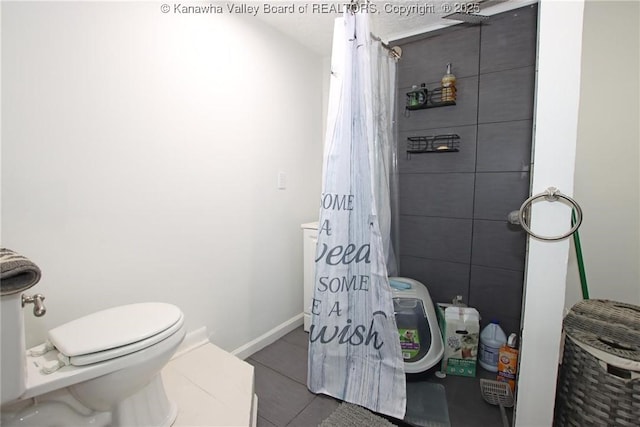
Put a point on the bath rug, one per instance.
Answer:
(349, 415)
(17, 273)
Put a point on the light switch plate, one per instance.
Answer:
(282, 180)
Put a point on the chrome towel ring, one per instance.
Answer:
(551, 195)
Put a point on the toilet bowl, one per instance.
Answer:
(417, 321)
(100, 370)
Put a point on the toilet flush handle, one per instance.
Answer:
(38, 306)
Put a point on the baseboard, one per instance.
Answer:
(192, 340)
(268, 338)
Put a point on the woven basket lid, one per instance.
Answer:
(609, 326)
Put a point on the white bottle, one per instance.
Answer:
(492, 338)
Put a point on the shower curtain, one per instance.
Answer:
(354, 348)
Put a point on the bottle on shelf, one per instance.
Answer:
(422, 94)
(448, 84)
(412, 97)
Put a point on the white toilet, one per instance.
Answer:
(104, 368)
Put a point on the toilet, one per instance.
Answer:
(420, 337)
(100, 370)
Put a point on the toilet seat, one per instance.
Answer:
(114, 332)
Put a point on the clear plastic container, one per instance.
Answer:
(492, 338)
(413, 327)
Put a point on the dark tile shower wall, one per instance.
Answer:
(454, 235)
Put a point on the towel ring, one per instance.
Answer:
(551, 195)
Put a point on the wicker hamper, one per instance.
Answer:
(599, 379)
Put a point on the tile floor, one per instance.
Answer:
(284, 401)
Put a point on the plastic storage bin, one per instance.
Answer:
(420, 337)
(415, 336)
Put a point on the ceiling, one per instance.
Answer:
(311, 22)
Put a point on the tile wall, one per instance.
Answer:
(454, 236)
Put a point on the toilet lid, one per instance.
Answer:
(115, 327)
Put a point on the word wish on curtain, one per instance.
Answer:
(354, 347)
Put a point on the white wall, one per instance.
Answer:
(140, 152)
(607, 181)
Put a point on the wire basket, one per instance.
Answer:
(423, 98)
(446, 143)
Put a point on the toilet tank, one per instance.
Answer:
(12, 357)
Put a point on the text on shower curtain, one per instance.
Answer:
(345, 254)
